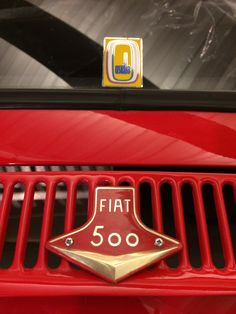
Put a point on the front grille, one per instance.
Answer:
(198, 209)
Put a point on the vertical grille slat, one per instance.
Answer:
(202, 226)
(70, 213)
(4, 212)
(137, 185)
(146, 205)
(169, 227)
(70, 205)
(81, 205)
(23, 230)
(192, 236)
(224, 227)
(58, 221)
(157, 212)
(180, 224)
(230, 206)
(47, 223)
(213, 224)
(91, 189)
(12, 225)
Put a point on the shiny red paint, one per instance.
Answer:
(156, 281)
(118, 138)
(113, 230)
(117, 305)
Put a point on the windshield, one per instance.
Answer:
(187, 45)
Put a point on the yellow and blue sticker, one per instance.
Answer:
(122, 62)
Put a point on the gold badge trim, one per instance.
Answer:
(115, 268)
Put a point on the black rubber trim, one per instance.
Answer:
(118, 99)
(177, 169)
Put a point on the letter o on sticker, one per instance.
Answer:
(132, 236)
(114, 239)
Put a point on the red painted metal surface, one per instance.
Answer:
(117, 138)
(106, 305)
(159, 280)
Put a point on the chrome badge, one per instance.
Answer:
(122, 62)
(114, 243)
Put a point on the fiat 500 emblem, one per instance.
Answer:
(114, 244)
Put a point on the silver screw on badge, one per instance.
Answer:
(69, 241)
(159, 242)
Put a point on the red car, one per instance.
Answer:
(172, 142)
